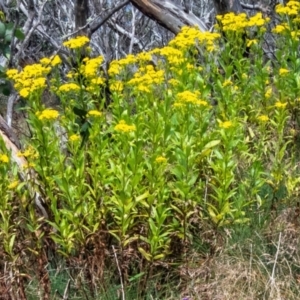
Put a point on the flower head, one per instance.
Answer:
(55, 60)
(74, 137)
(13, 185)
(161, 159)
(263, 118)
(4, 158)
(69, 87)
(123, 127)
(283, 71)
(280, 104)
(48, 114)
(225, 124)
(77, 42)
(94, 113)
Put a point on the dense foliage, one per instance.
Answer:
(199, 136)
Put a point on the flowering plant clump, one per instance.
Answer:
(181, 143)
(77, 42)
(123, 127)
(47, 114)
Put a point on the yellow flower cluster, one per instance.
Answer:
(292, 8)
(263, 118)
(4, 158)
(90, 67)
(69, 87)
(280, 104)
(13, 185)
(146, 77)
(225, 124)
(31, 79)
(116, 66)
(268, 92)
(283, 71)
(47, 114)
(123, 127)
(29, 152)
(189, 35)
(77, 42)
(55, 60)
(74, 138)
(144, 57)
(188, 97)
(116, 86)
(174, 56)
(161, 159)
(280, 28)
(238, 23)
(94, 113)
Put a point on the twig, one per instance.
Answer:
(65, 297)
(120, 273)
(272, 278)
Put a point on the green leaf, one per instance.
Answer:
(5, 88)
(135, 277)
(19, 34)
(8, 36)
(146, 255)
(2, 30)
(212, 144)
(11, 243)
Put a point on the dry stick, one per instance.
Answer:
(120, 273)
(12, 144)
(250, 267)
(65, 296)
(272, 279)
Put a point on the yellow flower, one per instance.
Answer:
(225, 125)
(283, 71)
(4, 158)
(74, 137)
(13, 185)
(29, 152)
(29, 165)
(251, 42)
(161, 159)
(263, 118)
(268, 93)
(69, 87)
(279, 104)
(91, 67)
(227, 83)
(11, 73)
(47, 114)
(116, 86)
(98, 81)
(24, 92)
(77, 42)
(45, 61)
(94, 113)
(55, 60)
(280, 28)
(123, 127)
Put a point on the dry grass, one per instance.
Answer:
(264, 267)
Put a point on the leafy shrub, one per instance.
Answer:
(154, 167)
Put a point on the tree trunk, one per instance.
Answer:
(81, 15)
(225, 6)
(168, 14)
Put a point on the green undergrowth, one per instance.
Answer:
(146, 182)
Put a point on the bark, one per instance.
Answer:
(81, 16)
(168, 14)
(225, 6)
(12, 144)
